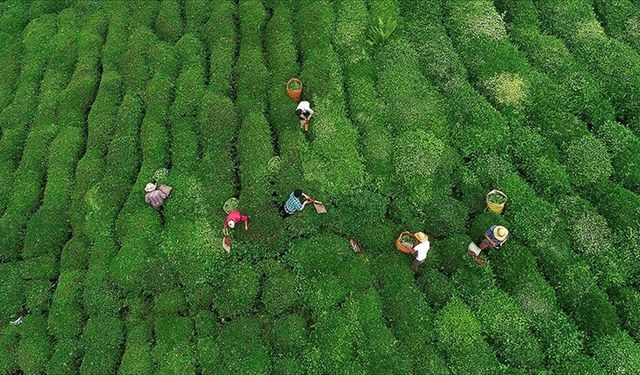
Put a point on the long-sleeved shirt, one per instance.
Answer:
(156, 197)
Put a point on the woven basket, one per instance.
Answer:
(294, 94)
(496, 207)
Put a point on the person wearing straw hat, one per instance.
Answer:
(304, 113)
(420, 251)
(494, 238)
(155, 195)
(233, 218)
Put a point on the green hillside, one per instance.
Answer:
(422, 107)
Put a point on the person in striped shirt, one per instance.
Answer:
(155, 195)
(494, 238)
(296, 202)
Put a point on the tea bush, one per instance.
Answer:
(588, 162)
(365, 106)
(33, 351)
(575, 22)
(580, 365)
(243, 351)
(9, 342)
(589, 231)
(236, 291)
(582, 86)
(281, 56)
(101, 127)
(12, 298)
(174, 349)
(220, 37)
(621, 20)
(280, 290)
(101, 341)
(288, 334)
(10, 57)
(63, 358)
(507, 328)
(408, 134)
(407, 309)
(412, 102)
(617, 353)
(624, 299)
(196, 16)
(471, 115)
(208, 354)
(333, 161)
(460, 337)
(137, 357)
(618, 205)
(66, 312)
(15, 121)
(169, 24)
(437, 288)
(217, 120)
(15, 16)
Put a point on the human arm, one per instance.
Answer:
(499, 245)
(166, 190)
(225, 229)
(307, 198)
(245, 219)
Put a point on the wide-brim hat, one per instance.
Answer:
(500, 233)
(150, 187)
(422, 237)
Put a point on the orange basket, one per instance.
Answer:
(401, 246)
(294, 94)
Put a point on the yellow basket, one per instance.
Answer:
(496, 207)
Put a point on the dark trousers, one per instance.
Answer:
(415, 266)
(284, 213)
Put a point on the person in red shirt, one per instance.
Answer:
(233, 218)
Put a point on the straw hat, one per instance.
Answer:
(150, 187)
(422, 237)
(500, 233)
(231, 224)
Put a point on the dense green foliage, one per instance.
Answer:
(537, 98)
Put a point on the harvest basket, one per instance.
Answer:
(406, 242)
(494, 206)
(230, 205)
(293, 92)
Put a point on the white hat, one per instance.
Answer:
(231, 224)
(150, 187)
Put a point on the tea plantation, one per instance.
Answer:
(421, 108)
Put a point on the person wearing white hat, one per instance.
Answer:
(494, 238)
(420, 251)
(234, 217)
(155, 195)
